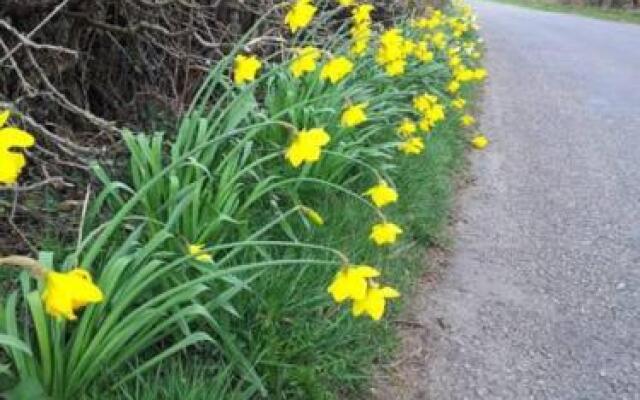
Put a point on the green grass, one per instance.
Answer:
(182, 378)
(630, 16)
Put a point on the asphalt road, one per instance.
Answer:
(542, 297)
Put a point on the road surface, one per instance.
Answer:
(542, 297)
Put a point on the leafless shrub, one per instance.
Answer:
(77, 70)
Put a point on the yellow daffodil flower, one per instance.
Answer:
(360, 36)
(246, 68)
(422, 52)
(313, 215)
(407, 128)
(408, 47)
(420, 23)
(455, 61)
(336, 69)
(424, 102)
(359, 47)
(385, 233)
(305, 61)
(436, 113)
(464, 74)
(435, 20)
(439, 40)
(468, 120)
(362, 13)
(413, 145)
(300, 15)
(12, 163)
(453, 86)
(458, 27)
(480, 74)
(396, 67)
(198, 252)
(346, 3)
(66, 292)
(374, 301)
(392, 37)
(361, 31)
(354, 115)
(425, 124)
(432, 112)
(458, 103)
(479, 141)
(307, 146)
(382, 194)
(391, 47)
(351, 282)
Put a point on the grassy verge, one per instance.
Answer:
(630, 16)
(302, 355)
(300, 350)
(210, 262)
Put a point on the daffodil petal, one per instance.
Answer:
(15, 137)
(365, 271)
(389, 292)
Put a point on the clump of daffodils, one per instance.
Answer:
(458, 26)
(374, 301)
(12, 162)
(436, 20)
(393, 51)
(412, 146)
(407, 128)
(439, 40)
(356, 283)
(429, 107)
(361, 29)
(423, 51)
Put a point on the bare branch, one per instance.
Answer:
(45, 21)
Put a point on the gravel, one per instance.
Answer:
(542, 296)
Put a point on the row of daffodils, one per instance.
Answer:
(321, 115)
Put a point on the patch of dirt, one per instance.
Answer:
(401, 377)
